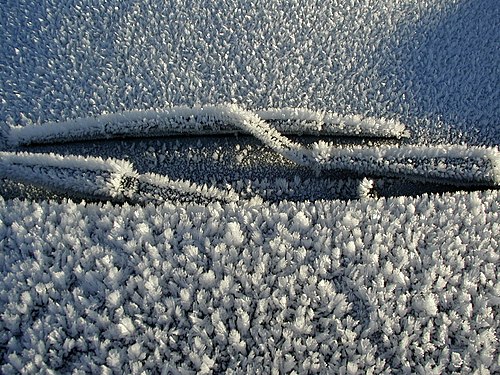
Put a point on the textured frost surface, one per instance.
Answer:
(299, 120)
(431, 64)
(156, 188)
(401, 284)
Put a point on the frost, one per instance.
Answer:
(234, 236)
(207, 280)
(301, 222)
(114, 178)
(318, 283)
(170, 267)
(427, 304)
(126, 327)
(365, 188)
(87, 176)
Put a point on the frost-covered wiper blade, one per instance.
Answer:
(320, 123)
(78, 175)
(151, 187)
(203, 120)
(445, 164)
(102, 179)
(117, 180)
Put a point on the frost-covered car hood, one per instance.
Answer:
(287, 277)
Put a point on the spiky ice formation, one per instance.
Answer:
(352, 281)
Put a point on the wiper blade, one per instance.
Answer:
(103, 179)
(204, 120)
(117, 180)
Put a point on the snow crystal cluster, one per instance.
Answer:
(407, 285)
(303, 121)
